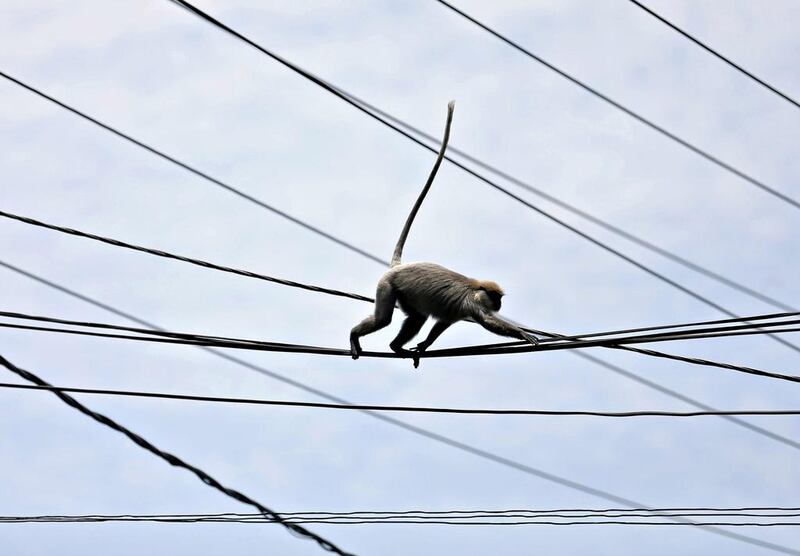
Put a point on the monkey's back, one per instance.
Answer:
(432, 290)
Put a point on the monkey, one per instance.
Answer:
(425, 290)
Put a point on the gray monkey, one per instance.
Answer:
(429, 290)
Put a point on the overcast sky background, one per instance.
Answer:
(166, 77)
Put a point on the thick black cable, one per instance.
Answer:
(674, 257)
(576, 339)
(195, 171)
(452, 442)
(396, 408)
(490, 349)
(336, 92)
(635, 115)
(171, 458)
(197, 262)
(716, 53)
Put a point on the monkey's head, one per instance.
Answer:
(489, 295)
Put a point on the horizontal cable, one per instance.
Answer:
(490, 349)
(397, 408)
(336, 519)
(619, 106)
(172, 459)
(197, 262)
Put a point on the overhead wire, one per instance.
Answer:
(172, 459)
(716, 53)
(408, 127)
(452, 442)
(619, 106)
(422, 517)
(397, 408)
(336, 92)
(182, 338)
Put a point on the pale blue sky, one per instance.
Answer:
(164, 76)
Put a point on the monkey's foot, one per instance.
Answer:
(416, 353)
(355, 349)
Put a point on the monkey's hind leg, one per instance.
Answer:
(385, 299)
(411, 327)
(436, 331)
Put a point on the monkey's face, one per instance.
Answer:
(489, 298)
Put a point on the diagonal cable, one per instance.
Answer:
(171, 458)
(619, 106)
(716, 53)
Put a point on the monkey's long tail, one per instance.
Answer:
(398, 250)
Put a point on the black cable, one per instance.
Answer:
(336, 92)
(710, 50)
(555, 200)
(417, 520)
(490, 349)
(197, 262)
(398, 408)
(171, 458)
(452, 442)
(635, 115)
(196, 172)
(576, 339)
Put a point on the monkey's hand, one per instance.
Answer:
(533, 340)
(417, 352)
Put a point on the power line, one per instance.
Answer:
(190, 260)
(336, 92)
(195, 171)
(418, 518)
(171, 458)
(716, 53)
(180, 338)
(635, 115)
(452, 442)
(516, 181)
(398, 408)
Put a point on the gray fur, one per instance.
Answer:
(429, 290)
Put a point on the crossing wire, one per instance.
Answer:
(396, 408)
(452, 442)
(408, 127)
(635, 115)
(715, 53)
(336, 92)
(172, 459)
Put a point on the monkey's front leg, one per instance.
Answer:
(436, 331)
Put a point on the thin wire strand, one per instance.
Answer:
(196, 172)
(196, 262)
(397, 408)
(336, 92)
(635, 115)
(716, 53)
(464, 447)
(335, 520)
(171, 458)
